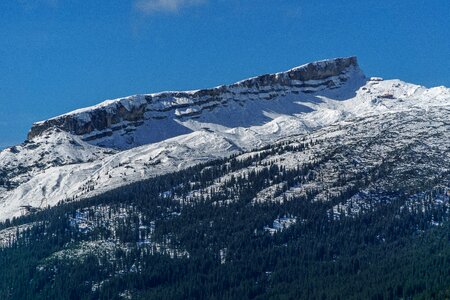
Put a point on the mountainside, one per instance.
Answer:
(61, 160)
(314, 183)
(356, 210)
(141, 119)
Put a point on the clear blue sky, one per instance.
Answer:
(59, 55)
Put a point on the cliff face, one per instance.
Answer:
(114, 123)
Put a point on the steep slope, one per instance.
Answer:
(141, 119)
(353, 210)
(52, 148)
(69, 165)
(28, 170)
(376, 158)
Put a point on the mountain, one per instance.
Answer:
(314, 183)
(98, 148)
(142, 119)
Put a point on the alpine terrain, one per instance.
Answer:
(313, 183)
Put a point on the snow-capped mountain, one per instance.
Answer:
(141, 119)
(98, 148)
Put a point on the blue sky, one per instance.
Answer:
(59, 55)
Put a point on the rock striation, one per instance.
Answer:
(123, 116)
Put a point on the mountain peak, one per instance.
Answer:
(169, 131)
(112, 123)
(325, 68)
(318, 70)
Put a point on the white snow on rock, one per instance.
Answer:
(56, 165)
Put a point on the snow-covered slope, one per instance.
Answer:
(53, 147)
(141, 119)
(62, 158)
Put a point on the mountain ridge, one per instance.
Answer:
(120, 118)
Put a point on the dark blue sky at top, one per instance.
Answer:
(59, 55)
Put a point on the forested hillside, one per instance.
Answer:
(289, 221)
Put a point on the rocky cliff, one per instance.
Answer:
(140, 119)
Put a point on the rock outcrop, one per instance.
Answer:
(125, 115)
